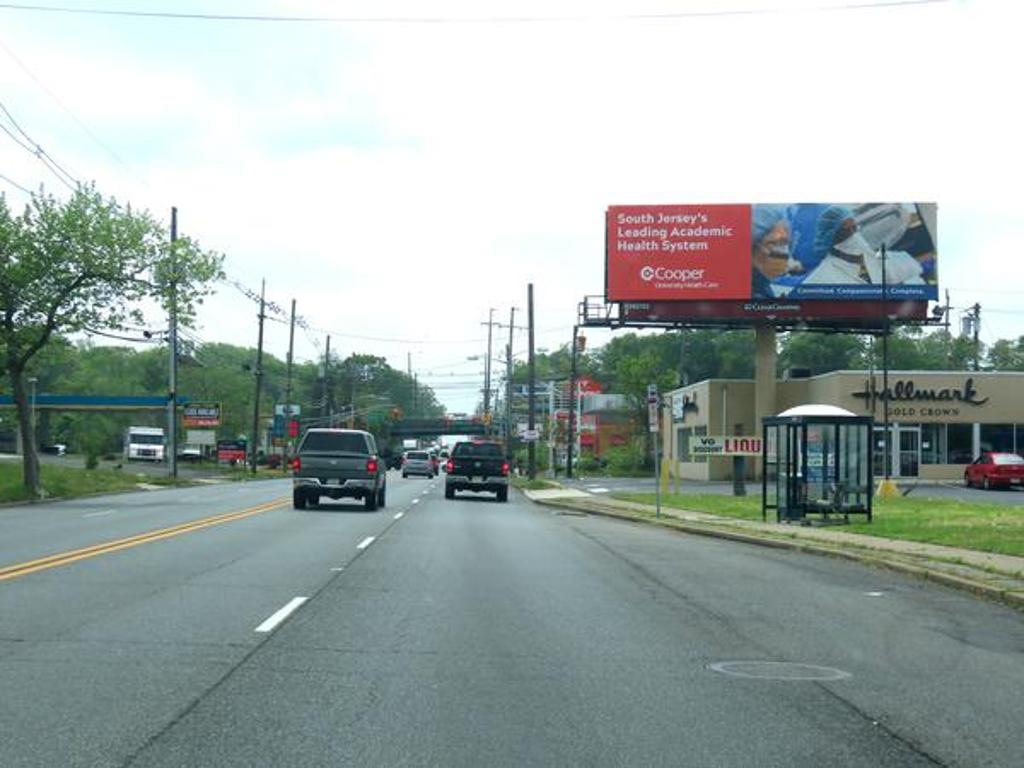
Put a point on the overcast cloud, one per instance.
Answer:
(399, 179)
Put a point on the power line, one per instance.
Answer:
(35, 149)
(439, 20)
(56, 99)
(15, 184)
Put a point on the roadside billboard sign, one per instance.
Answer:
(799, 252)
(201, 415)
(231, 450)
(201, 437)
(725, 446)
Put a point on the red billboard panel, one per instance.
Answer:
(799, 252)
(678, 252)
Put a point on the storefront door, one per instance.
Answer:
(905, 460)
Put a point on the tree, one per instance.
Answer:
(822, 352)
(85, 262)
(1007, 355)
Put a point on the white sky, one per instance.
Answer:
(400, 179)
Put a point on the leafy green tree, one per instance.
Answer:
(821, 352)
(85, 262)
(1007, 355)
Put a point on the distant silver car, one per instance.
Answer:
(418, 463)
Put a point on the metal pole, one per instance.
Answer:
(657, 462)
(532, 399)
(259, 380)
(172, 337)
(976, 327)
(885, 369)
(572, 404)
(327, 409)
(288, 391)
(487, 371)
(508, 383)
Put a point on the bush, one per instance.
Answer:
(587, 463)
(91, 460)
(626, 460)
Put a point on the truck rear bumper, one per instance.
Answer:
(335, 488)
(465, 483)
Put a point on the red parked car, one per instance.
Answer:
(992, 470)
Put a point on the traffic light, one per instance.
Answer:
(581, 343)
(487, 418)
(293, 428)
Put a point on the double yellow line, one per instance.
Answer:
(74, 555)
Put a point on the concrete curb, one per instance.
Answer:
(1013, 598)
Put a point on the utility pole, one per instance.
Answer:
(976, 328)
(327, 409)
(259, 379)
(508, 382)
(572, 403)
(288, 390)
(487, 370)
(172, 400)
(532, 399)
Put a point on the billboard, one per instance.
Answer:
(201, 415)
(801, 252)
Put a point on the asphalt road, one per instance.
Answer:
(469, 633)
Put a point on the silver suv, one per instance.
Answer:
(417, 463)
(338, 464)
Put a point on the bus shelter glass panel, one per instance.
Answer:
(821, 461)
(771, 467)
(855, 463)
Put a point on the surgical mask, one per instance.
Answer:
(855, 245)
(777, 252)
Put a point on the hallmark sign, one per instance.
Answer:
(905, 398)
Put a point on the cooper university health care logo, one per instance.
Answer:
(669, 275)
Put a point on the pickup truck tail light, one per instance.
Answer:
(371, 466)
(449, 467)
(504, 468)
(296, 464)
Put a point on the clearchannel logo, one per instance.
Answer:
(664, 274)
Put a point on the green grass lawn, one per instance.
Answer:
(64, 482)
(533, 485)
(980, 526)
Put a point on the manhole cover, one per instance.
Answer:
(777, 670)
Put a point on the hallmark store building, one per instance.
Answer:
(939, 420)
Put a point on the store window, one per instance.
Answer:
(997, 437)
(683, 435)
(959, 439)
(933, 443)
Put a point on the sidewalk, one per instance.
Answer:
(998, 577)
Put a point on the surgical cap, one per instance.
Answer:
(829, 223)
(765, 217)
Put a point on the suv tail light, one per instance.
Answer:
(449, 467)
(371, 466)
(296, 464)
(504, 468)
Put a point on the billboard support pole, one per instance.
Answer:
(887, 488)
(531, 450)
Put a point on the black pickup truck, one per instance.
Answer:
(477, 467)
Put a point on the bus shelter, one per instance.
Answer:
(817, 461)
